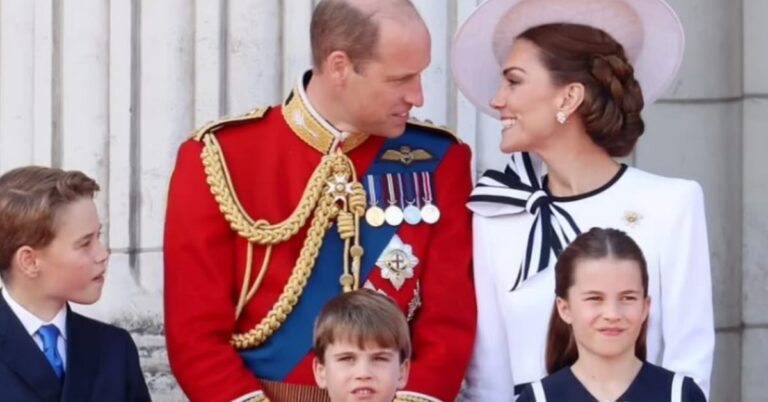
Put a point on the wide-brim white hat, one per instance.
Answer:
(649, 31)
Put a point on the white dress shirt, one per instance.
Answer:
(32, 323)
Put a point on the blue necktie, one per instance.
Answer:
(50, 335)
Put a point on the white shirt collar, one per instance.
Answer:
(31, 322)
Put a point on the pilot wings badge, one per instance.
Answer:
(407, 155)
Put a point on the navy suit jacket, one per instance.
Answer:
(102, 364)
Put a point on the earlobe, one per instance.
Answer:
(647, 311)
(405, 369)
(318, 369)
(573, 98)
(338, 66)
(25, 259)
(564, 310)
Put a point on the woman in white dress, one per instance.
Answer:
(568, 79)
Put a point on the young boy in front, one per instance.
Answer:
(362, 348)
(51, 254)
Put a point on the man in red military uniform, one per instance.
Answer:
(273, 213)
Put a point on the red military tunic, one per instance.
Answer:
(270, 163)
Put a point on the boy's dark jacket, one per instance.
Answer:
(102, 364)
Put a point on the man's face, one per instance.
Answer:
(380, 93)
(74, 263)
(350, 374)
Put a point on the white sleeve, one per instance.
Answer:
(489, 376)
(686, 289)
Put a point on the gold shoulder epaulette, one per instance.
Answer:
(428, 124)
(212, 126)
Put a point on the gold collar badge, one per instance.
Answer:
(312, 129)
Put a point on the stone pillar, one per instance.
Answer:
(755, 214)
(694, 132)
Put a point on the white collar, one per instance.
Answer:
(31, 322)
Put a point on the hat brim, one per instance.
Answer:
(649, 31)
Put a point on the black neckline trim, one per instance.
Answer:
(606, 186)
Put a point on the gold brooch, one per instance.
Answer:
(406, 155)
(632, 218)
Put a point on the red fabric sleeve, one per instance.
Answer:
(199, 280)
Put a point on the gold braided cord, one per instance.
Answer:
(346, 227)
(258, 231)
(335, 171)
(246, 280)
(247, 294)
(400, 397)
(357, 204)
(324, 212)
(348, 223)
(260, 277)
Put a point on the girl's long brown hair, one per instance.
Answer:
(596, 244)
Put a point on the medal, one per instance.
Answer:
(393, 214)
(429, 212)
(412, 215)
(374, 215)
(412, 212)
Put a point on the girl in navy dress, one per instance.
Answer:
(596, 343)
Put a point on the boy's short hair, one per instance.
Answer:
(362, 316)
(30, 198)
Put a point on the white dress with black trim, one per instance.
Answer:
(518, 231)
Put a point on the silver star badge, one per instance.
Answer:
(339, 187)
(397, 262)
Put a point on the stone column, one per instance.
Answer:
(755, 212)
(695, 132)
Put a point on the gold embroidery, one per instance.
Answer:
(211, 127)
(401, 397)
(406, 155)
(435, 128)
(312, 131)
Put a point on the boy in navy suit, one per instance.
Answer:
(51, 254)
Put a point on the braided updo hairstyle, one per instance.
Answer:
(612, 99)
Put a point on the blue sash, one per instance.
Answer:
(275, 358)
